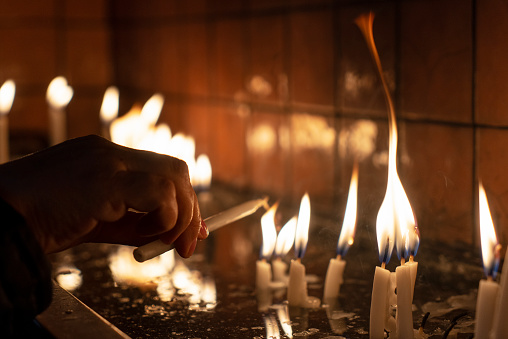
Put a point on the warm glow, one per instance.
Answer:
(69, 277)
(283, 315)
(395, 219)
(487, 236)
(302, 227)
(109, 108)
(209, 293)
(125, 129)
(347, 233)
(286, 238)
(59, 93)
(7, 92)
(152, 109)
(126, 269)
(269, 232)
(272, 329)
(203, 172)
(184, 147)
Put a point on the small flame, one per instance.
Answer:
(395, 219)
(347, 233)
(286, 238)
(7, 92)
(203, 172)
(490, 246)
(152, 109)
(109, 108)
(59, 93)
(302, 227)
(269, 231)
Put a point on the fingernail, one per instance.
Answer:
(192, 247)
(203, 231)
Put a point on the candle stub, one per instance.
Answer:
(487, 293)
(297, 286)
(157, 247)
(333, 279)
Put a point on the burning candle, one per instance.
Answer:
(500, 325)
(335, 271)
(202, 174)
(109, 109)
(488, 288)
(6, 99)
(285, 240)
(58, 96)
(395, 219)
(297, 287)
(157, 247)
(263, 267)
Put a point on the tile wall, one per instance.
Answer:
(281, 94)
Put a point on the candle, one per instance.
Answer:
(379, 303)
(6, 99)
(335, 271)
(58, 96)
(404, 302)
(500, 325)
(285, 240)
(157, 247)
(488, 288)
(202, 174)
(109, 109)
(297, 286)
(263, 268)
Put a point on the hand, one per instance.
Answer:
(91, 190)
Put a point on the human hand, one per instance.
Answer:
(92, 190)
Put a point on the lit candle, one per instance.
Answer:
(297, 286)
(263, 267)
(58, 96)
(335, 270)
(109, 109)
(157, 247)
(285, 240)
(488, 288)
(395, 216)
(202, 174)
(6, 99)
(500, 325)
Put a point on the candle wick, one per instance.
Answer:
(339, 257)
(383, 264)
(298, 260)
(402, 261)
(411, 258)
(489, 278)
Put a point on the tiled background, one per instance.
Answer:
(276, 92)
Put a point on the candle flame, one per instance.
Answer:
(152, 109)
(286, 237)
(490, 246)
(395, 220)
(203, 172)
(302, 226)
(7, 92)
(59, 93)
(269, 231)
(347, 233)
(109, 108)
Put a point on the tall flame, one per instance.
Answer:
(269, 231)
(286, 237)
(7, 92)
(347, 233)
(395, 220)
(109, 108)
(490, 246)
(302, 227)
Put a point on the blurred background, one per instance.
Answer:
(283, 95)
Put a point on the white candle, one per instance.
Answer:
(263, 268)
(263, 274)
(487, 292)
(413, 267)
(58, 96)
(297, 287)
(157, 247)
(279, 270)
(379, 304)
(333, 279)
(500, 325)
(404, 302)
(6, 99)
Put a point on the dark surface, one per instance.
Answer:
(446, 285)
